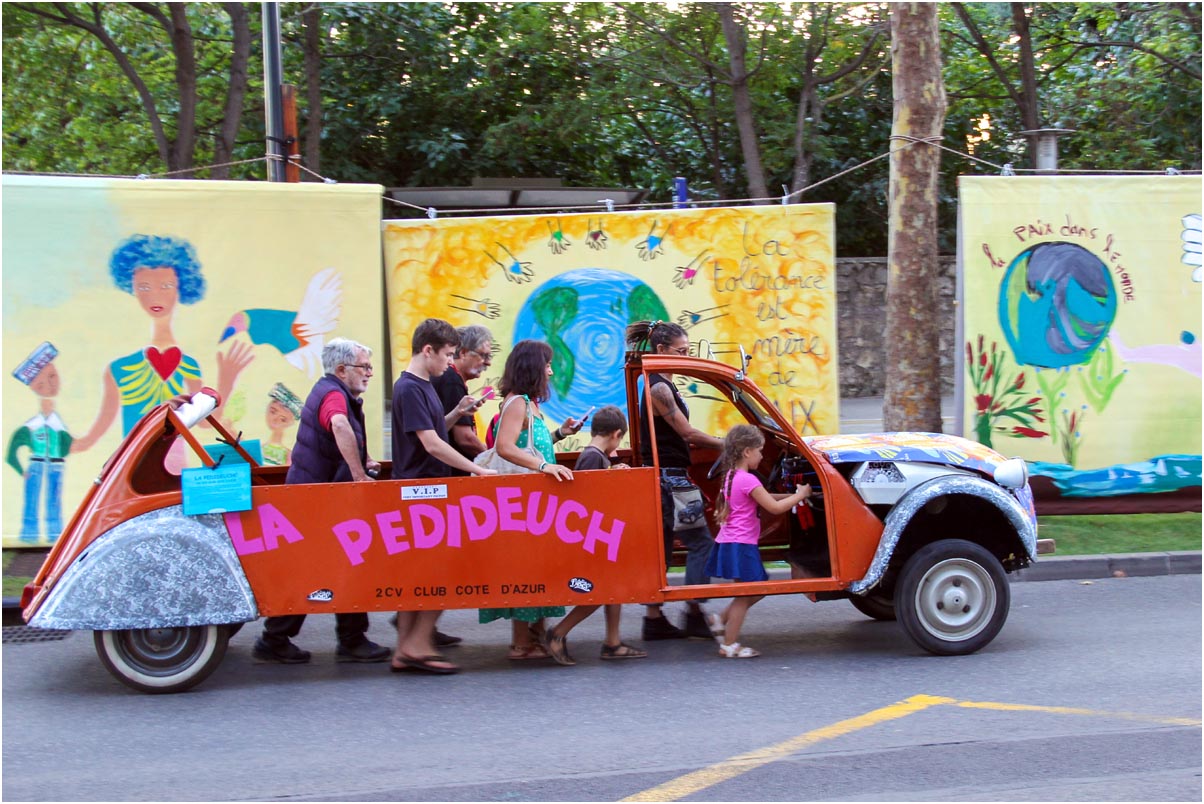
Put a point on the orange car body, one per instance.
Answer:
(130, 559)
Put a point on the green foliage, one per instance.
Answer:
(631, 94)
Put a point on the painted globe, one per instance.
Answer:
(1056, 303)
(582, 315)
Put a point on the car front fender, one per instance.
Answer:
(158, 570)
(907, 507)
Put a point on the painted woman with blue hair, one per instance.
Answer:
(158, 272)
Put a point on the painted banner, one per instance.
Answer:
(119, 294)
(1081, 303)
(758, 277)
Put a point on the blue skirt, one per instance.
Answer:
(739, 562)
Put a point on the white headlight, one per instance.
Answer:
(1012, 473)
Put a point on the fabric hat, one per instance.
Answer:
(38, 359)
(285, 397)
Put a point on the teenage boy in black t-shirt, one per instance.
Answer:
(421, 450)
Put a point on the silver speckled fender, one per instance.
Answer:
(156, 570)
(913, 501)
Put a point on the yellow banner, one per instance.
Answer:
(758, 277)
(119, 294)
(1081, 306)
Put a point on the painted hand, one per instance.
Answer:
(230, 365)
(519, 272)
(596, 238)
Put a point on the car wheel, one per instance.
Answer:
(160, 660)
(877, 605)
(952, 597)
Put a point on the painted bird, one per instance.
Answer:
(296, 335)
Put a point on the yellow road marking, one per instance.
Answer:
(1067, 710)
(682, 786)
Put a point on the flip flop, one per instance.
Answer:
(393, 668)
(425, 665)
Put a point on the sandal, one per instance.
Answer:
(715, 623)
(736, 651)
(622, 651)
(558, 648)
(537, 630)
(425, 664)
(394, 667)
(521, 652)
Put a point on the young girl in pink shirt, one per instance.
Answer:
(735, 554)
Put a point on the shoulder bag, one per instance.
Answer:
(492, 459)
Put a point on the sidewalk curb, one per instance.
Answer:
(1055, 568)
(1072, 568)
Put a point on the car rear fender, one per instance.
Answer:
(912, 502)
(160, 569)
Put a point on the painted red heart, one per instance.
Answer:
(164, 363)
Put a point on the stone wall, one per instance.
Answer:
(861, 323)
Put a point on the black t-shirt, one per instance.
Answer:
(416, 407)
(451, 388)
(591, 458)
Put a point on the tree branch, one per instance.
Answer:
(980, 44)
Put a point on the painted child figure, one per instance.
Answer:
(48, 442)
(735, 555)
(606, 432)
(284, 410)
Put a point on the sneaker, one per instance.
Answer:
(288, 653)
(660, 628)
(366, 651)
(695, 625)
(443, 640)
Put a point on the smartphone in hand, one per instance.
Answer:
(486, 393)
(586, 415)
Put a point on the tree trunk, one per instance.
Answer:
(311, 20)
(806, 116)
(913, 387)
(1029, 110)
(240, 54)
(737, 47)
(182, 46)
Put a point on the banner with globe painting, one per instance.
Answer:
(119, 294)
(1081, 304)
(758, 277)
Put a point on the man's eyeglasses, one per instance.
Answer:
(486, 356)
(364, 367)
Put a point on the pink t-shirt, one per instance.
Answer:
(742, 525)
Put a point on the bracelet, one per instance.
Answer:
(559, 434)
(542, 464)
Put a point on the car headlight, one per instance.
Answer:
(1012, 473)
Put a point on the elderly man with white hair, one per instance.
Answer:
(331, 448)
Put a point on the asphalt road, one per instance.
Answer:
(1092, 692)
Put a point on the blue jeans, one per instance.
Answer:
(698, 541)
(37, 475)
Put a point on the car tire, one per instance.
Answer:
(162, 660)
(952, 597)
(877, 605)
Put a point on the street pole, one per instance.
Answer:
(272, 104)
